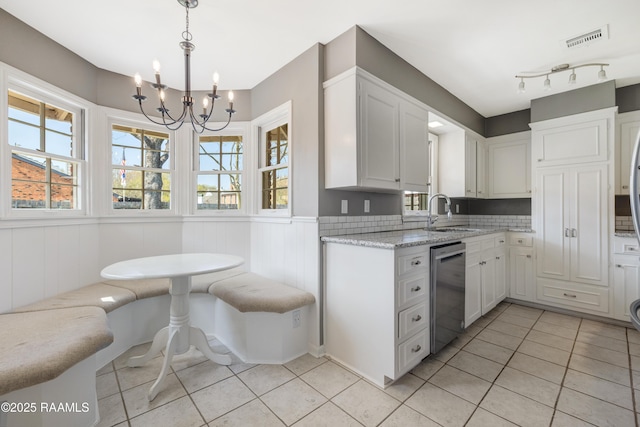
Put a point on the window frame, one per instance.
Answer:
(16, 81)
(277, 117)
(139, 122)
(234, 129)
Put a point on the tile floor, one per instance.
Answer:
(515, 366)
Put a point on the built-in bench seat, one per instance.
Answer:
(58, 343)
(249, 292)
(39, 346)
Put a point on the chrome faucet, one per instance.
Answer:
(431, 221)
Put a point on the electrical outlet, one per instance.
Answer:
(296, 318)
(367, 206)
(344, 206)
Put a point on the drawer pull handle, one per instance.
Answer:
(632, 249)
(501, 241)
(416, 318)
(416, 349)
(570, 295)
(528, 256)
(498, 257)
(416, 289)
(416, 262)
(519, 240)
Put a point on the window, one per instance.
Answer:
(219, 172)
(415, 201)
(45, 154)
(141, 168)
(274, 170)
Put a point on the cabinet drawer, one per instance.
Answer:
(586, 297)
(412, 289)
(521, 241)
(500, 241)
(411, 320)
(411, 352)
(413, 262)
(473, 246)
(623, 245)
(489, 243)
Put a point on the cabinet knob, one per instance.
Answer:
(625, 187)
(498, 257)
(569, 295)
(397, 179)
(416, 289)
(416, 262)
(416, 318)
(416, 349)
(520, 240)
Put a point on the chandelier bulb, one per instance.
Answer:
(138, 80)
(205, 103)
(162, 95)
(572, 78)
(216, 79)
(156, 66)
(230, 96)
(547, 83)
(521, 86)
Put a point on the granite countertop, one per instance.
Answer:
(415, 237)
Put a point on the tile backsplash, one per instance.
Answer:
(624, 223)
(340, 225)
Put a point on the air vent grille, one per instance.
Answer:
(596, 35)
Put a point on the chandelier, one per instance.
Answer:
(198, 121)
(602, 75)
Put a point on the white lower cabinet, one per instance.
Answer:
(626, 275)
(485, 275)
(521, 267)
(377, 309)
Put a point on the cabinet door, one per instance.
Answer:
(628, 134)
(471, 167)
(481, 170)
(571, 144)
(521, 274)
(510, 169)
(488, 282)
(414, 147)
(626, 280)
(501, 275)
(380, 163)
(589, 225)
(473, 290)
(552, 223)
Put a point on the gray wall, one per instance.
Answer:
(590, 98)
(299, 81)
(504, 124)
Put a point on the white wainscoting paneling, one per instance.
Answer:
(289, 252)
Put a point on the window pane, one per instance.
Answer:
(32, 117)
(125, 139)
(24, 136)
(131, 156)
(28, 168)
(61, 122)
(28, 195)
(231, 162)
(56, 143)
(63, 196)
(282, 198)
(276, 146)
(63, 172)
(126, 179)
(229, 200)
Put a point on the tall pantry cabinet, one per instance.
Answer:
(572, 208)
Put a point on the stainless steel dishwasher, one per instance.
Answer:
(447, 293)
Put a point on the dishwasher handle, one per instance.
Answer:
(446, 256)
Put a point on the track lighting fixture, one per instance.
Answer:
(602, 75)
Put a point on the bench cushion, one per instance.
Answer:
(99, 294)
(38, 346)
(249, 292)
(143, 288)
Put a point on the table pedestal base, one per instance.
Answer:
(177, 337)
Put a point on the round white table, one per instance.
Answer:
(179, 335)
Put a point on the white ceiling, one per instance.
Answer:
(472, 48)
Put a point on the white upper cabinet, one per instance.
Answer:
(414, 147)
(376, 137)
(509, 165)
(581, 142)
(628, 127)
(461, 164)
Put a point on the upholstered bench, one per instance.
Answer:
(261, 320)
(49, 356)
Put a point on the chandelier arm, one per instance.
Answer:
(221, 128)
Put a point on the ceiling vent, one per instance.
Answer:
(588, 38)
